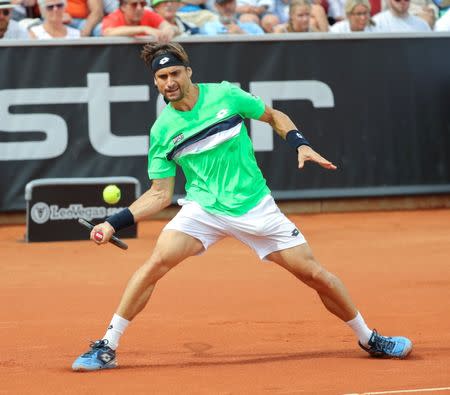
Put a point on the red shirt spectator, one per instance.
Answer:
(117, 18)
(133, 19)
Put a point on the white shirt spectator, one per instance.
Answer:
(344, 27)
(41, 33)
(258, 3)
(387, 22)
(15, 31)
(443, 23)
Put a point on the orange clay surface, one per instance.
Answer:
(225, 323)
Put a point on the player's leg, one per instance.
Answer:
(300, 261)
(171, 248)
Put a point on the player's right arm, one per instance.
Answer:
(157, 198)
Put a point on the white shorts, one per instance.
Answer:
(265, 229)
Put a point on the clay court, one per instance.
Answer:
(225, 323)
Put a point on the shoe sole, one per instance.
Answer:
(385, 356)
(81, 368)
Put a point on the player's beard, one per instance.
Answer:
(176, 98)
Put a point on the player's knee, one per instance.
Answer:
(155, 268)
(320, 279)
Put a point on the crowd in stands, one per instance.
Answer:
(166, 19)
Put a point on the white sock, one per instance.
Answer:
(361, 329)
(115, 330)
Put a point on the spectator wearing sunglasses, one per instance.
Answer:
(52, 12)
(398, 19)
(358, 18)
(132, 18)
(10, 29)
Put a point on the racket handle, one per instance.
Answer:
(114, 239)
(118, 243)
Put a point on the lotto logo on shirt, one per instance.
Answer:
(178, 138)
(222, 113)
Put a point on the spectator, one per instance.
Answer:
(443, 23)
(52, 12)
(263, 9)
(398, 19)
(318, 14)
(85, 15)
(133, 19)
(168, 9)
(10, 29)
(301, 20)
(358, 18)
(228, 23)
(268, 23)
(424, 9)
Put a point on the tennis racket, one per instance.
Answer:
(114, 240)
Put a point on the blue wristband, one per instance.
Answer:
(295, 139)
(122, 219)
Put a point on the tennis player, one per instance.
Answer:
(202, 130)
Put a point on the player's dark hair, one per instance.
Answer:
(152, 50)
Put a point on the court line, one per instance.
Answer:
(401, 391)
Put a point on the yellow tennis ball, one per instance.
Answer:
(111, 194)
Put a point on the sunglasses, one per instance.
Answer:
(143, 4)
(5, 12)
(51, 7)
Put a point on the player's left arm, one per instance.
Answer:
(287, 130)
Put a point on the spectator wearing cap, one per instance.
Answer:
(85, 15)
(52, 12)
(302, 20)
(132, 18)
(168, 10)
(228, 23)
(358, 18)
(398, 19)
(10, 29)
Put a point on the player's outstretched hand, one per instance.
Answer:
(102, 233)
(306, 153)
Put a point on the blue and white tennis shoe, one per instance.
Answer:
(387, 347)
(99, 357)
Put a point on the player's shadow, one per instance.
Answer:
(205, 360)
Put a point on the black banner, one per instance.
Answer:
(54, 206)
(377, 107)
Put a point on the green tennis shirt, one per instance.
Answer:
(211, 145)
